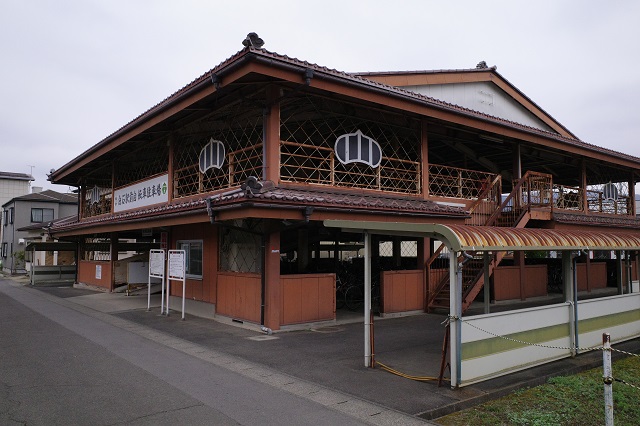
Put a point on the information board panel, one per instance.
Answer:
(176, 264)
(156, 263)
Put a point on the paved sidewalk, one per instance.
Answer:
(330, 358)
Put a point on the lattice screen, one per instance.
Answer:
(96, 200)
(240, 251)
(98, 248)
(145, 161)
(310, 127)
(239, 127)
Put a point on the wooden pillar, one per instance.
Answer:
(583, 186)
(271, 140)
(424, 144)
(517, 172)
(632, 196)
(272, 287)
(517, 162)
(170, 182)
(114, 259)
(397, 252)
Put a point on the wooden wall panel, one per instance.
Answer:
(535, 283)
(199, 289)
(402, 291)
(597, 276)
(239, 296)
(308, 298)
(507, 282)
(87, 273)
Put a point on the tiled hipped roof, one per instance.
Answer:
(597, 220)
(340, 200)
(270, 196)
(277, 60)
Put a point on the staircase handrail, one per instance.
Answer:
(513, 193)
(485, 191)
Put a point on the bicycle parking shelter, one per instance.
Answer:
(620, 312)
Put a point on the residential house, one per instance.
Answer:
(25, 219)
(12, 185)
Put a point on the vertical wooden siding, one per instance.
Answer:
(239, 296)
(402, 291)
(199, 289)
(87, 273)
(507, 282)
(308, 298)
(597, 276)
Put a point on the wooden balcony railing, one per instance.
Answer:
(572, 198)
(445, 181)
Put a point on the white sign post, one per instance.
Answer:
(156, 270)
(177, 273)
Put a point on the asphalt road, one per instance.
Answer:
(60, 365)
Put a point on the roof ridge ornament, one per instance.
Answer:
(252, 40)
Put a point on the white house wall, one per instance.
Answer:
(483, 97)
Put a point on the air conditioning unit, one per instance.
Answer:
(21, 241)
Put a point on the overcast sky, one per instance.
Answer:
(75, 71)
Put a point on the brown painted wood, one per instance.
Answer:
(87, 273)
(239, 296)
(308, 298)
(402, 291)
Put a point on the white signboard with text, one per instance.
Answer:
(142, 194)
(156, 263)
(177, 266)
(156, 270)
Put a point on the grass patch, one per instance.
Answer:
(566, 400)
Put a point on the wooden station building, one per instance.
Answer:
(242, 167)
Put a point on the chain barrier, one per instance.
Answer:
(626, 383)
(625, 352)
(450, 318)
(595, 348)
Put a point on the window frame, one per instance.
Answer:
(42, 211)
(189, 255)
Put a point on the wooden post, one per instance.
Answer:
(273, 290)
(271, 141)
(424, 143)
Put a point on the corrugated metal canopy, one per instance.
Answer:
(488, 238)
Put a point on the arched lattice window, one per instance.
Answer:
(358, 148)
